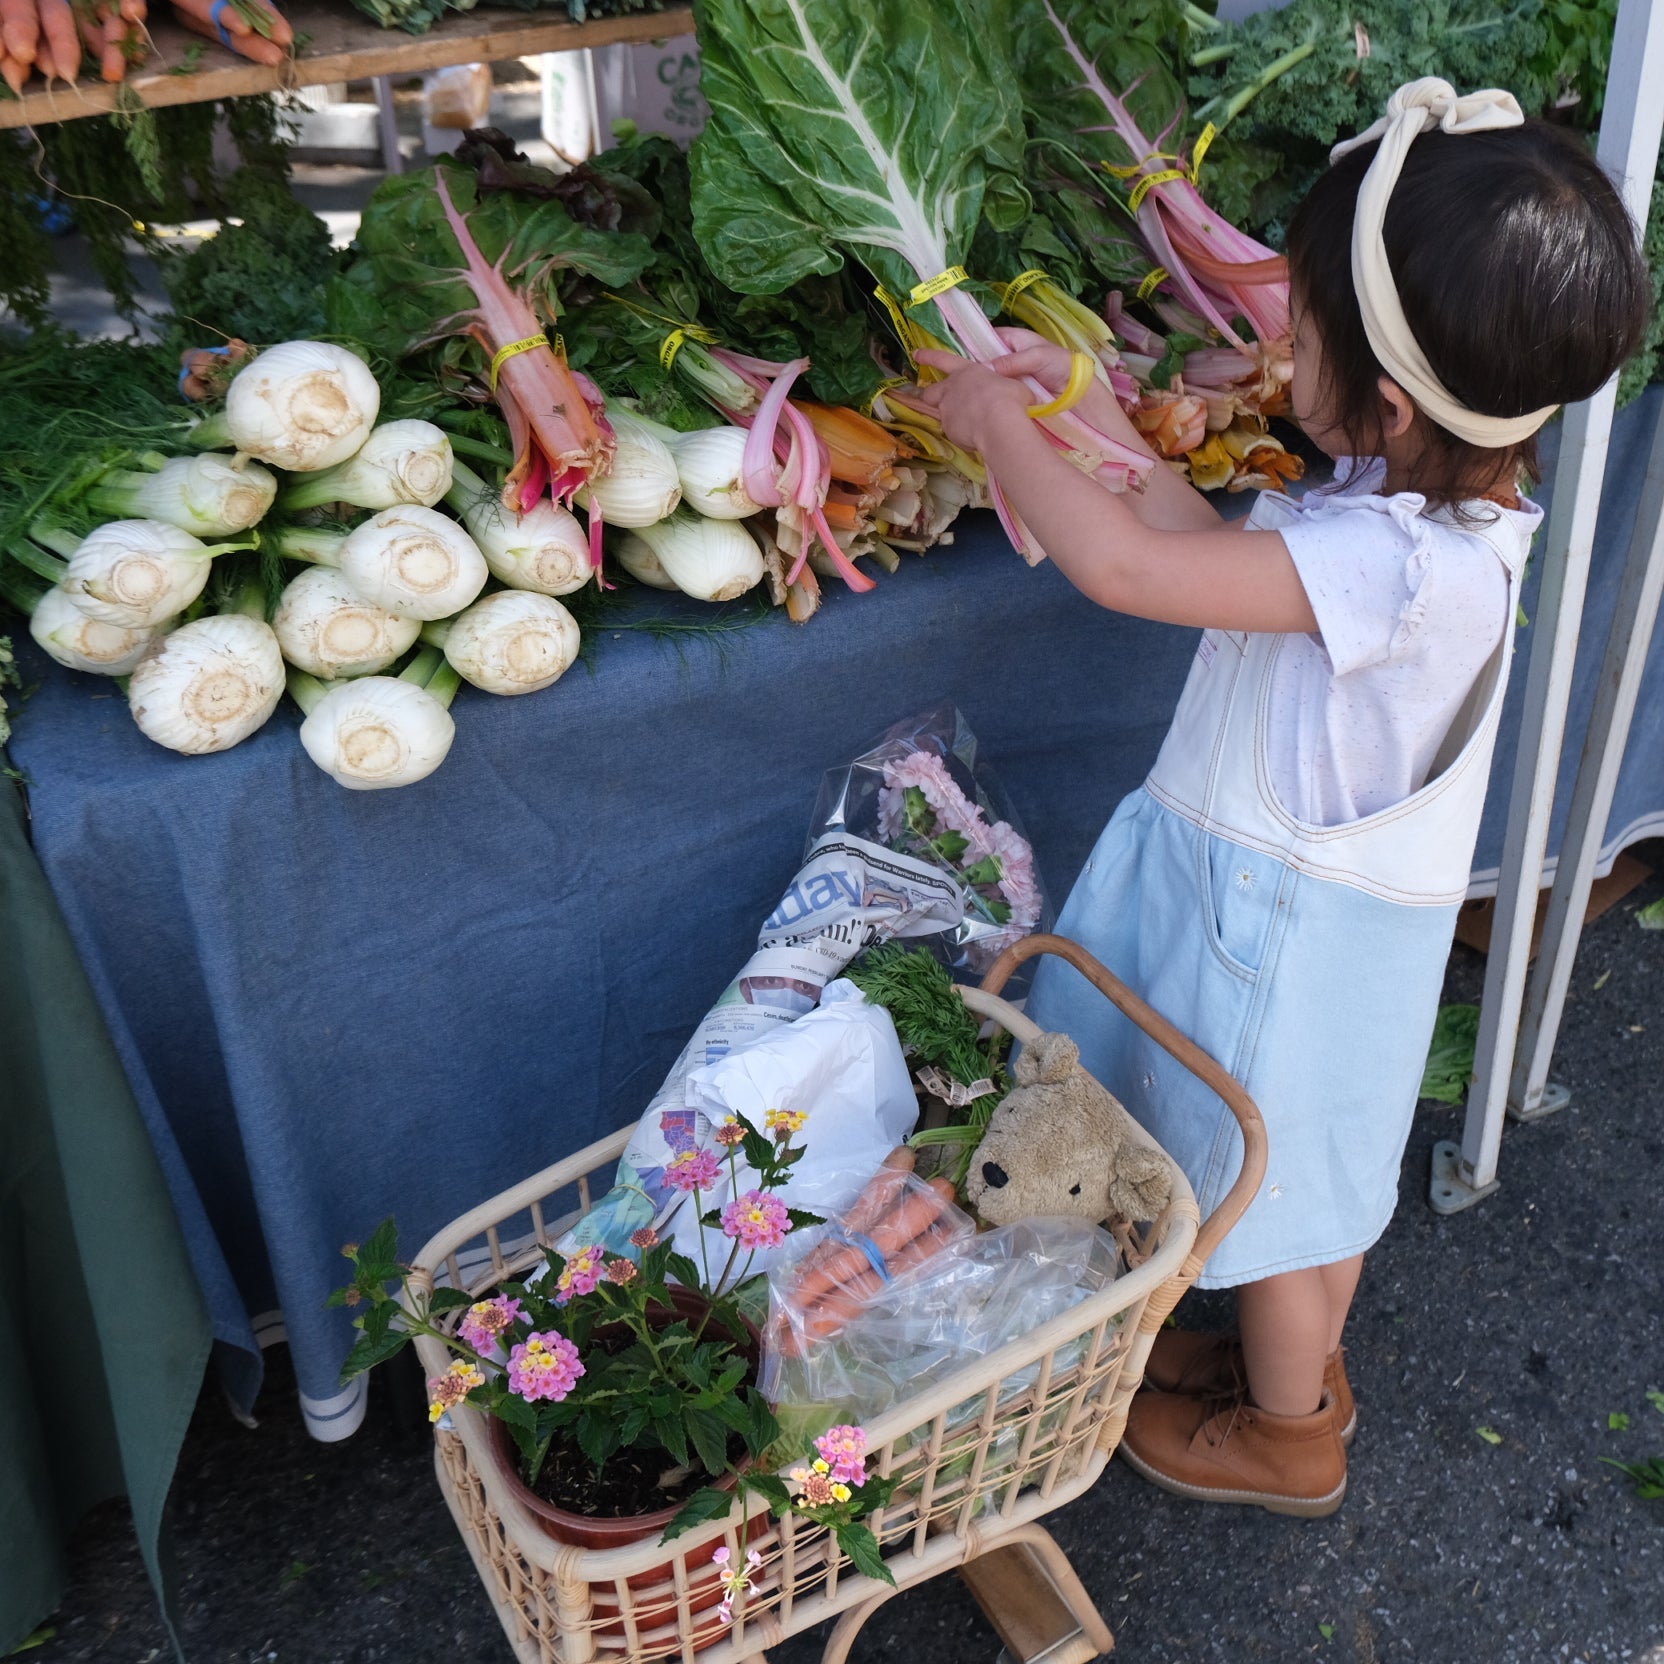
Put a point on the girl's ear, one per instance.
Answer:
(1398, 409)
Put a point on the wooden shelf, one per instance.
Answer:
(343, 45)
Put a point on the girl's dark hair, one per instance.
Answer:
(1519, 273)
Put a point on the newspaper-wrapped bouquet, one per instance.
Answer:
(923, 791)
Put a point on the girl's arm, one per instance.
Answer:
(1168, 501)
(1177, 574)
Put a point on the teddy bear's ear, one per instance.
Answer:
(1048, 1059)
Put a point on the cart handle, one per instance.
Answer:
(1235, 1201)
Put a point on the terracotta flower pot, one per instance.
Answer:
(604, 1531)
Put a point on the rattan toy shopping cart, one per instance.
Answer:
(980, 1458)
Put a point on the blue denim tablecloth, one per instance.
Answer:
(338, 1005)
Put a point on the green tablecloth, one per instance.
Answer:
(104, 1330)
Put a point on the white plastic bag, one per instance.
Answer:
(842, 1064)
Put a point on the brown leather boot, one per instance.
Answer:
(1228, 1450)
(1210, 1365)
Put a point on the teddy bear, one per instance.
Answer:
(1060, 1144)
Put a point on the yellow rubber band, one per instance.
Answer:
(694, 332)
(503, 354)
(1209, 134)
(1153, 282)
(1083, 371)
(670, 346)
(1137, 167)
(1022, 281)
(1144, 186)
(937, 285)
(880, 390)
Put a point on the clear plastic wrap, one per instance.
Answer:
(896, 1225)
(964, 1302)
(923, 791)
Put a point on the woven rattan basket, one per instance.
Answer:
(980, 1458)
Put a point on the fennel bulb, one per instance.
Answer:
(81, 643)
(635, 554)
(545, 549)
(326, 628)
(512, 642)
(711, 560)
(302, 405)
(208, 495)
(377, 731)
(642, 485)
(138, 572)
(710, 465)
(401, 462)
(413, 561)
(208, 684)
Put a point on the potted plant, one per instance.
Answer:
(621, 1387)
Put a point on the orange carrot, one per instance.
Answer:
(132, 10)
(20, 30)
(57, 24)
(253, 47)
(14, 73)
(249, 19)
(915, 1211)
(866, 1210)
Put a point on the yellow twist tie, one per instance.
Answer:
(503, 354)
(880, 390)
(1153, 282)
(1209, 134)
(1144, 186)
(1022, 281)
(937, 285)
(1083, 371)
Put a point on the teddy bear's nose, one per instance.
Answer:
(995, 1174)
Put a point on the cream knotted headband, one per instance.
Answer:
(1414, 109)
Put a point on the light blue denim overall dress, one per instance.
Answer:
(1308, 960)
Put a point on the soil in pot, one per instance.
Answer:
(632, 1483)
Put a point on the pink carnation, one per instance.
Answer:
(544, 1366)
(758, 1219)
(485, 1320)
(845, 1448)
(956, 813)
(693, 1170)
(580, 1274)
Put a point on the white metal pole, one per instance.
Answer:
(1629, 134)
(1597, 783)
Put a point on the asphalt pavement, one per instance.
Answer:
(1490, 1352)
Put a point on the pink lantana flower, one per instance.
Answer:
(844, 1449)
(693, 1170)
(646, 1237)
(485, 1321)
(757, 1219)
(580, 1274)
(446, 1391)
(544, 1366)
(734, 1581)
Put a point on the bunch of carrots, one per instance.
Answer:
(906, 1221)
(51, 37)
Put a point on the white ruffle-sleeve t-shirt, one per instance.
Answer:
(1409, 611)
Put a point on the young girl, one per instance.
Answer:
(1284, 887)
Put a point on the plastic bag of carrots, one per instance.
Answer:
(897, 1223)
(842, 1344)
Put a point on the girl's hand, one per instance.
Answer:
(976, 399)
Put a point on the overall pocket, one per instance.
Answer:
(1241, 892)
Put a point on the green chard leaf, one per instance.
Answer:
(880, 129)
